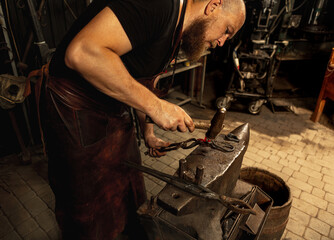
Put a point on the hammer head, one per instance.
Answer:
(217, 124)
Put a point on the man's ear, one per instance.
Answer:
(212, 5)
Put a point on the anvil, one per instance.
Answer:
(221, 171)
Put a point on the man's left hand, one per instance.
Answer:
(153, 143)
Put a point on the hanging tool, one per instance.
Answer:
(233, 204)
(40, 42)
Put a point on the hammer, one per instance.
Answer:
(217, 124)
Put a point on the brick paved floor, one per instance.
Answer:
(289, 145)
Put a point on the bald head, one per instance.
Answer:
(232, 4)
(227, 2)
(235, 7)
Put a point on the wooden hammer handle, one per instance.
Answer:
(199, 124)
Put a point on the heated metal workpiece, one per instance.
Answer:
(215, 169)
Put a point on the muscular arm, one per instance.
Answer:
(95, 54)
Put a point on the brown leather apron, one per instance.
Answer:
(88, 135)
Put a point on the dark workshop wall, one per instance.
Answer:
(56, 17)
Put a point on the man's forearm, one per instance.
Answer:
(104, 69)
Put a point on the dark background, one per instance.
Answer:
(55, 19)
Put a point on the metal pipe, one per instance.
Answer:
(31, 35)
(37, 26)
(42, 45)
(316, 12)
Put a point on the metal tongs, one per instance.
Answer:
(233, 204)
(193, 142)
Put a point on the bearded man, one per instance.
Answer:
(101, 70)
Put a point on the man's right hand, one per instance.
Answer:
(171, 117)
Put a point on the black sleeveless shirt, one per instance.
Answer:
(149, 25)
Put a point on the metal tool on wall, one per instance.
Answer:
(45, 51)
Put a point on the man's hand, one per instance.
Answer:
(171, 117)
(153, 143)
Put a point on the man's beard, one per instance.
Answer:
(193, 44)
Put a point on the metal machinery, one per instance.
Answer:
(275, 31)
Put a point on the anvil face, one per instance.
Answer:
(221, 171)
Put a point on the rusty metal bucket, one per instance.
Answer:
(279, 191)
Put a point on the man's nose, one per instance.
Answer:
(222, 40)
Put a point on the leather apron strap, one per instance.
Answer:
(40, 75)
